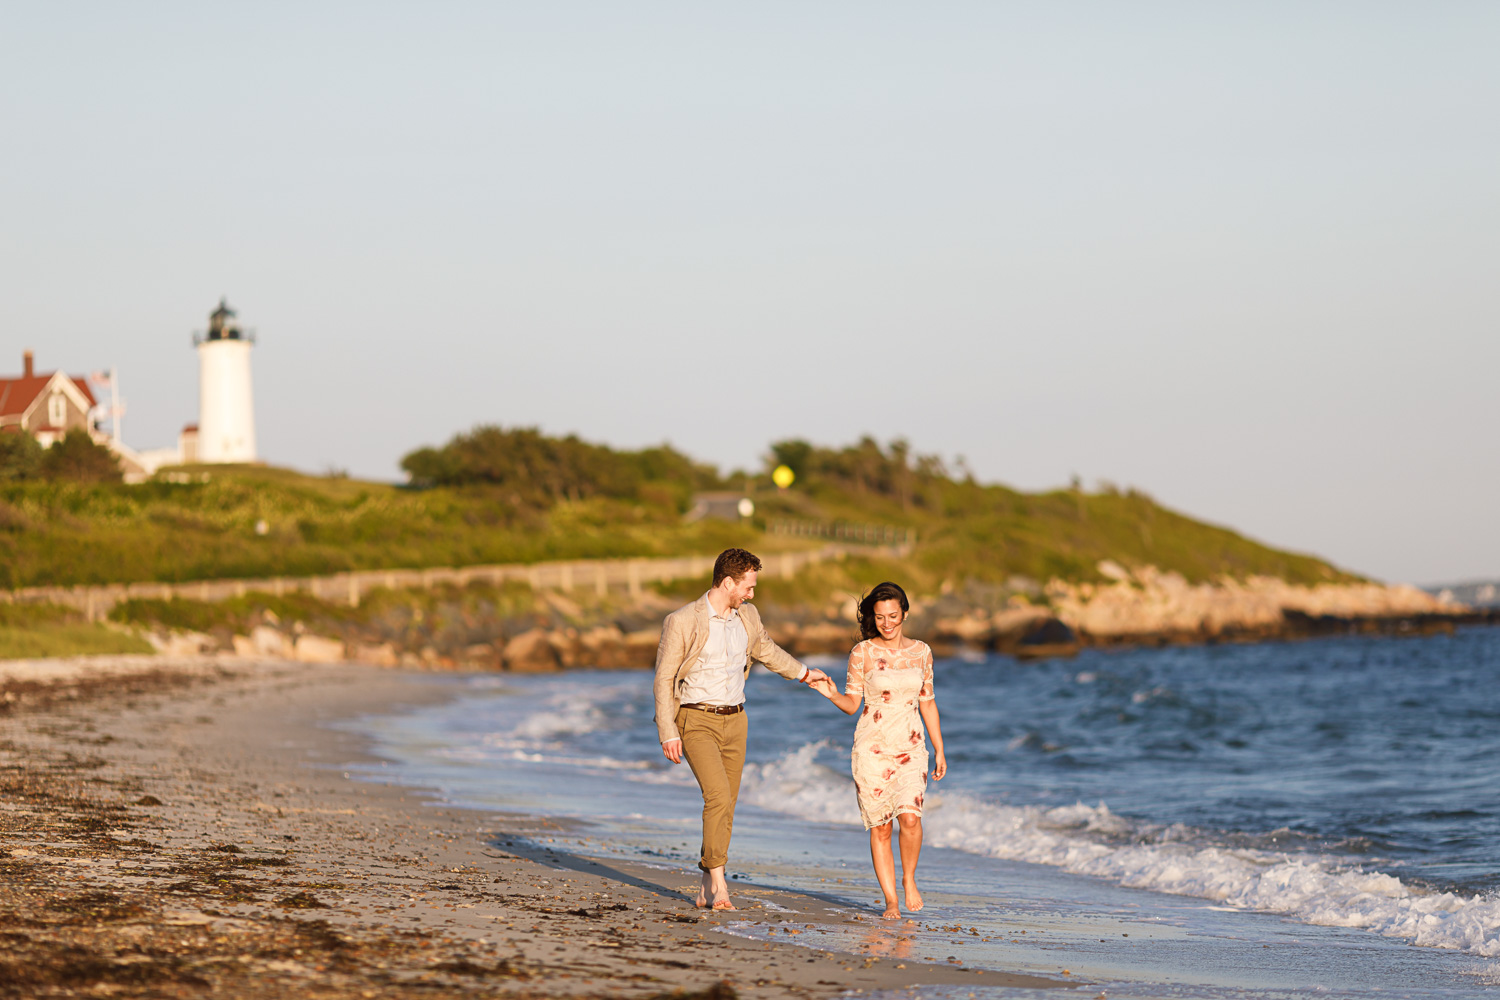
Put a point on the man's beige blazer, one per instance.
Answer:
(683, 636)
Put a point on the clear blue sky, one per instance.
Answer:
(1244, 257)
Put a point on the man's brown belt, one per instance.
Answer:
(716, 709)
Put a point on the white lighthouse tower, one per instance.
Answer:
(226, 409)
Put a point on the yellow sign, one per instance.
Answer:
(783, 476)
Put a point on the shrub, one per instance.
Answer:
(79, 458)
(20, 456)
(545, 470)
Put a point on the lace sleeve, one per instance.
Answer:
(926, 693)
(854, 682)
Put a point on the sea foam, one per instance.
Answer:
(1091, 840)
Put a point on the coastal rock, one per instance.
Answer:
(607, 646)
(1015, 621)
(311, 648)
(1009, 628)
(784, 633)
(640, 646)
(383, 655)
(569, 648)
(182, 643)
(531, 652)
(481, 655)
(1112, 570)
(825, 637)
(973, 629)
(601, 646)
(1156, 605)
(266, 641)
(1047, 638)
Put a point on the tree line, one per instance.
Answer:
(539, 468)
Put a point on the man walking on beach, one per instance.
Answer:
(701, 664)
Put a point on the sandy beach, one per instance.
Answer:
(176, 826)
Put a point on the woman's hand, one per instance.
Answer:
(940, 768)
(846, 703)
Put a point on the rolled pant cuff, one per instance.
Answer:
(708, 864)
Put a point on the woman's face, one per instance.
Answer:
(888, 618)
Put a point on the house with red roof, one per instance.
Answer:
(46, 405)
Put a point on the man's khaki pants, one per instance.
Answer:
(714, 746)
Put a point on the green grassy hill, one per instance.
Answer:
(562, 499)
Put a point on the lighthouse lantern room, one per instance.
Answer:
(226, 411)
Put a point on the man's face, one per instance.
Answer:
(741, 590)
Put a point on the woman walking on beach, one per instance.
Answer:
(892, 675)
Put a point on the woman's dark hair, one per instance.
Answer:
(883, 592)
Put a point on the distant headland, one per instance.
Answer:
(992, 567)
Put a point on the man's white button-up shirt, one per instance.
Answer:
(718, 678)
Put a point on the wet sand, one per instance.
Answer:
(175, 826)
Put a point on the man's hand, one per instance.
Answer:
(673, 750)
(814, 676)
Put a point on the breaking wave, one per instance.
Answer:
(1315, 888)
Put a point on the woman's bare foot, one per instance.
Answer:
(715, 889)
(718, 889)
(913, 897)
(892, 911)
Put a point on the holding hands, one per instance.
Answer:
(820, 682)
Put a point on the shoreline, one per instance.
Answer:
(176, 824)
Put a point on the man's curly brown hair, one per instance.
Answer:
(734, 563)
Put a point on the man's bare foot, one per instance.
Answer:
(913, 897)
(704, 891)
(723, 903)
(892, 911)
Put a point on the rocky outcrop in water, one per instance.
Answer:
(1146, 605)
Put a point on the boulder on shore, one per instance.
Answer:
(1047, 638)
(266, 641)
(825, 637)
(382, 655)
(640, 646)
(317, 649)
(531, 652)
(608, 647)
(482, 655)
(1009, 627)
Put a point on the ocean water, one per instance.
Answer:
(1285, 819)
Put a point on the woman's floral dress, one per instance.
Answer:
(889, 760)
